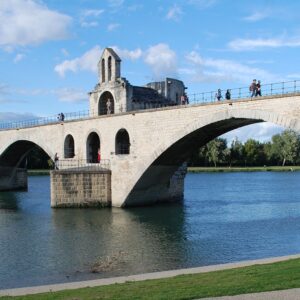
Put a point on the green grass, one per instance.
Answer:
(257, 278)
(244, 169)
(38, 172)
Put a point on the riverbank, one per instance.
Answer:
(208, 169)
(244, 169)
(221, 280)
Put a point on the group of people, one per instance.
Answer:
(184, 99)
(61, 117)
(255, 88)
(219, 96)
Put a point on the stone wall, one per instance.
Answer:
(13, 179)
(80, 188)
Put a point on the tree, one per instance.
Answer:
(254, 154)
(215, 150)
(291, 145)
(236, 153)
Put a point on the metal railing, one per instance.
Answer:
(82, 164)
(278, 88)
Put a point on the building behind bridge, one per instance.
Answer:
(114, 94)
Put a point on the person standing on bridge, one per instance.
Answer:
(253, 88)
(99, 156)
(228, 95)
(258, 89)
(56, 161)
(219, 95)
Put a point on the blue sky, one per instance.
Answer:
(49, 49)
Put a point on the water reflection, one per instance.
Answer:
(223, 218)
(8, 201)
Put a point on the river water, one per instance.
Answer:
(224, 217)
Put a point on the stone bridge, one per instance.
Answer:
(147, 148)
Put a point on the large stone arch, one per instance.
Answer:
(14, 153)
(172, 152)
(103, 103)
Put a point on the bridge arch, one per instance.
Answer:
(92, 147)
(122, 142)
(69, 147)
(106, 104)
(15, 153)
(176, 149)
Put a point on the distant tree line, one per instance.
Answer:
(283, 149)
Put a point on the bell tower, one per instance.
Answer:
(109, 66)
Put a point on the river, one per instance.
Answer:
(224, 217)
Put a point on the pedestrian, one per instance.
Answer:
(59, 117)
(56, 158)
(258, 89)
(228, 95)
(186, 98)
(99, 156)
(62, 117)
(182, 100)
(219, 95)
(252, 88)
(108, 106)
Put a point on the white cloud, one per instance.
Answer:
(64, 52)
(71, 95)
(174, 13)
(257, 16)
(88, 17)
(262, 132)
(253, 44)
(128, 54)
(87, 62)
(19, 57)
(113, 26)
(162, 60)
(29, 23)
(217, 70)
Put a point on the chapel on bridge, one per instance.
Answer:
(114, 94)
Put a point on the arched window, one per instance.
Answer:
(122, 142)
(103, 69)
(109, 68)
(106, 105)
(69, 147)
(92, 146)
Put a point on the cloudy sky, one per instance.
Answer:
(49, 49)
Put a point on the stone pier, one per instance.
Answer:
(80, 188)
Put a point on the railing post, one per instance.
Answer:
(211, 97)
(240, 93)
(282, 88)
(271, 89)
(295, 86)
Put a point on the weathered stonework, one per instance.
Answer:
(80, 188)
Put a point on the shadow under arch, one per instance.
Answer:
(15, 153)
(158, 174)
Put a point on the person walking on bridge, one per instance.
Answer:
(253, 88)
(258, 89)
(219, 95)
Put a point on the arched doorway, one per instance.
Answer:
(69, 147)
(106, 104)
(122, 142)
(92, 146)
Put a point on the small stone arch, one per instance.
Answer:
(69, 147)
(122, 142)
(106, 104)
(103, 70)
(92, 146)
(109, 68)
